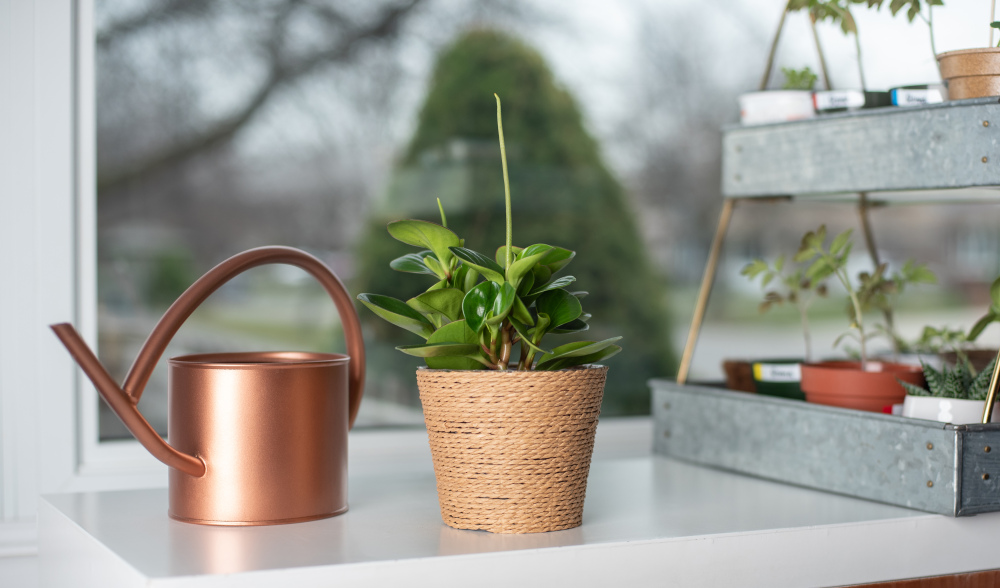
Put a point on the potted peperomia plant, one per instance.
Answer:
(953, 394)
(510, 419)
(783, 281)
(864, 384)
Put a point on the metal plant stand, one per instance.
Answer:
(862, 157)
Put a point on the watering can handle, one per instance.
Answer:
(123, 400)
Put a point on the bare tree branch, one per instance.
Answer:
(281, 74)
(159, 14)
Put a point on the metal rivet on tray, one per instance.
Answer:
(985, 159)
(986, 123)
(738, 177)
(986, 449)
(930, 484)
(666, 406)
(930, 446)
(666, 433)
(986, 476)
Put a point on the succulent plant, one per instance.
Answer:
(954, 382)
(479, 307)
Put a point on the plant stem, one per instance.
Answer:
(774, 49)
(819, 52)
(804, 313)
(993, 15)
(930, 31)
(506, 185)
(444, 220)
(505, 346)
(857, 46)
(858, 315)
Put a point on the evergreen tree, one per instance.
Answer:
(562, 194)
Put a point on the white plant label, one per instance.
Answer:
(777, 372)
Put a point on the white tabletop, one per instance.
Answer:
(647, 519)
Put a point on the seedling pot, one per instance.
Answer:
(778, 377)
(843, 384)
(956, 411)
(776, 106)
(512, 449)
(971, 73)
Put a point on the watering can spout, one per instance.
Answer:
(124, 404)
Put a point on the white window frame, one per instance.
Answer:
(49, 441)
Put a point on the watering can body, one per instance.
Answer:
(256, 438)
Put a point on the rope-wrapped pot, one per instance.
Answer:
(512, 449)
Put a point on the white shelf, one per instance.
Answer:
(648, 520)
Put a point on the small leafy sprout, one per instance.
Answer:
(992, 315)
(957, 382)
(799, 79)
(870, 290)
(935, 340)
(470, 324)
(793, 287)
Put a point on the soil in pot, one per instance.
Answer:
(971, 73)
(843, 384)
(779, 377)
(511, 449)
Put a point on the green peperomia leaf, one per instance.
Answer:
(428, 350)
(501, 255)
(456, 333)
(524, 331)
(521, 313)
(553, 285)
(435, 266)
(575, 349)
(574, 326)
(522, 266)
(426, 235)
(398, 313)
(573, 361)
(413, 263)
(558, 258)
(561, 306)
(446, 301)
(542, 274)
(477, 304)
(486, 266)
(502, 304)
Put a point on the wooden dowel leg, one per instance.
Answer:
(706, 289)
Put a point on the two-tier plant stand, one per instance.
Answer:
(942, 153)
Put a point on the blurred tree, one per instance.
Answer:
(561, 191)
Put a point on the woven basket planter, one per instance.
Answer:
(512, 449)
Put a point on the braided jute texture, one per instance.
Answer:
(512, 449)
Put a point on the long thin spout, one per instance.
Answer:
(123, 405)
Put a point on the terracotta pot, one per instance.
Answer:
(739, 375)
(971, 73)
(843, 384)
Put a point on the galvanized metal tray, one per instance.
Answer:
(938, 146)
(925, 465)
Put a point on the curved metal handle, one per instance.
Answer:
(181, 309)
(123, 400)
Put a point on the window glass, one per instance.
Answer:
(228, 125)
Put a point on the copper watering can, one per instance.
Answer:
(255, 438)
